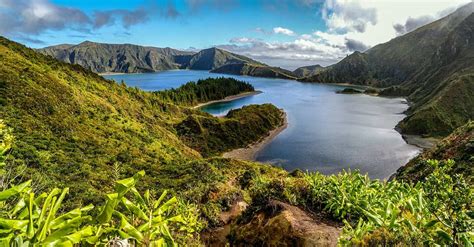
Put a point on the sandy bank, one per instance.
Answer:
(228, 98)
(421, 142)
(250, 152)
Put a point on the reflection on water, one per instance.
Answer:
(327, 132)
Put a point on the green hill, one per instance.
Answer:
(257, 70)
(458, 146)
(213, 58)
(431, 65)
(306, 71)
(73, 127)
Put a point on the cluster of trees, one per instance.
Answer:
(205, 90)
(212, 136)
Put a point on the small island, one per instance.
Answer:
(349, 91)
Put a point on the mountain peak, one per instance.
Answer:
(86, 42)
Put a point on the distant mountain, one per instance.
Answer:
(127, 58)
(432, 65)
(306, 71)
(257, 70)
(124, 58)
(213, 58)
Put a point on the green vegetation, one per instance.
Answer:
(459, 146)
(252, 69)
(193, 93)
(29, 220)
(212, 58)
(65, 126)
(437, 211)
(73, 127)
(307, 71)
(212, 136)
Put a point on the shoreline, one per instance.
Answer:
(415, 140)
(250, 152)
(420, 142)
(228, 98)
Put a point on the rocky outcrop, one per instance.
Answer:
(281, 224)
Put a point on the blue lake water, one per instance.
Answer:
(327, 132)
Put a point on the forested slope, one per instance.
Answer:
(75, 127)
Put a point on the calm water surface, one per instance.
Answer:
(327, 132)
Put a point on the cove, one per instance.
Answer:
(327, 132)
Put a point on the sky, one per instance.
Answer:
(284, 33)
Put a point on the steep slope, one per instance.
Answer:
(74, 128)
(431, 65)
(458, 146)
(254, 70)
(306, 71)
(213, 58)
(125, 58)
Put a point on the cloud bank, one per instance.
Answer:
(350, 26)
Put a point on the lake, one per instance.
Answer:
(326, 132)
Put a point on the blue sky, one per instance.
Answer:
(200, 26)
(286, 33)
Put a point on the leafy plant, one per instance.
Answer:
(126, 214)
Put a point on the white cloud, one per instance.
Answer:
(351, 26)
(282, 30)
(345, 16)
(343, 23)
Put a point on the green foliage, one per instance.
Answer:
(193, 93)
(451, 203)
(26, 220)
(437, 211)
(73, 127)
(6, 139)
(458, 146)
(211, 136)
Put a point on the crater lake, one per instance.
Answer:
(326, 132)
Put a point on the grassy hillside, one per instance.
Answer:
(213, 136)
(75, 127)
(458, 146)
(254, 70)
(307, 71)
(431, 65)
(72, 128)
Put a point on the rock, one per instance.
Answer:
(280, 224)
(349, 91)
(218, 236)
